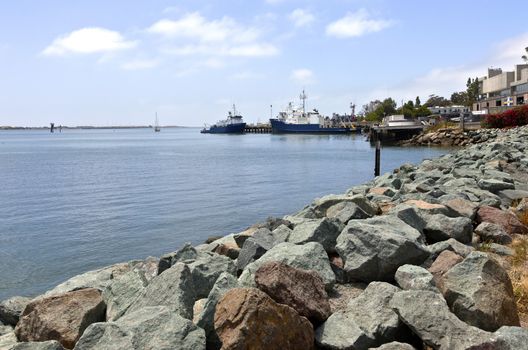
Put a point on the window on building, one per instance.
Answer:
(498, 103)
(520, 100)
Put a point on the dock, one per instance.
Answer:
(394, 133)
(258, 129)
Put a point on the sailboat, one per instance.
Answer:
(156, 124)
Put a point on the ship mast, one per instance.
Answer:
(303, 98)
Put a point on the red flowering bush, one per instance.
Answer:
(508, 119)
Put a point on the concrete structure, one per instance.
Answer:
(499, 91)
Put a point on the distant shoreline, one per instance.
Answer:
(88, 127)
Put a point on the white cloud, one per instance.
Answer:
(301, 18)
(302, 76)
(356, 24)
(444, 81)
(193, 34)
(140, 64)
(87, 41)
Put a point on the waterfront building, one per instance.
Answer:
(499, 91)
(449, 111)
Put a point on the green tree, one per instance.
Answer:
(459, 98)
(435, 100)
(422, 111)
(381, 109)
(472, 91)
(418, 103)
(525, 57)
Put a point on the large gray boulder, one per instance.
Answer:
(97, 279)
(429, 317)
(205, 321)
(7, 341)
(12, 308)
(184, 254)
(321, 205)
(479, 292)
(512, 338)
(324, 231)
(308, 256)
(367, 321)
(346, 211)
(488, 231)
(45, 345)
(373, 249)
(494, 185)
(122, 292)
(441, 227)
(155, 327)
(394, 346)
(174, 288)
(254, 247)
(412, 277)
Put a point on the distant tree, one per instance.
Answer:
(417, 103)
(525, 57)
(422, 111)
(374, 111)
(435, 100)
(459, 98)
(370, 107)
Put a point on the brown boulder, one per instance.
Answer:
(446, 260)
(62, 317)
(247, 318)
(301, 289)
(506, 219)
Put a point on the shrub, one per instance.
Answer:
(508, 119)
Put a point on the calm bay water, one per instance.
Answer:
(82, 199)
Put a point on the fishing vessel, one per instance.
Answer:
(156, 124)
(295, 120)
(234, 124)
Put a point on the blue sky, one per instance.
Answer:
(117, 62)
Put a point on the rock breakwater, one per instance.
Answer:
(452, 137)
(396, 263)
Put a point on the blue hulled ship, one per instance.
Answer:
(234, 124)
(295, 120)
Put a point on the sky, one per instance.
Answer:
(118, 62)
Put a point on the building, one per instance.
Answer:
(499, 91)
(450, 111)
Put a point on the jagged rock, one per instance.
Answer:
(428, 208)
(155, 327)
(382, 191)
(497, 249)
(247, 318)
(479, 292)
(412, 277)
(452, 245)
(7, 341)
(5, 330)
(509, 222)
(97, 279)
(445, 261)
(492, 232)
(409, 214)
(198, 309)
(206, 269)
(440, 228)
(187, 252)
(494, 185)
(281, 233)
(302, 290)
(174, 288)
(45, 345)
(373, 249)
(122, 292)
(229, 250)
(254, 247)
(321, 205)
(462, 207)
(366, 322)
(428, 316)
(346, 211)
(324, 231)
(205, 320)
(511, 338)
(394, 346)
(12, 308)
(309, 256)
(62, 317)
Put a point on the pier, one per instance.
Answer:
(258, 129)
(394, 133)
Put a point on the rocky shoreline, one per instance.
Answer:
(452, 137)
(414, 259)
